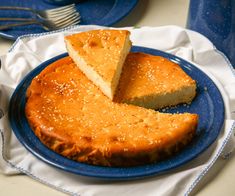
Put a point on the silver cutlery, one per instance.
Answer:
(46, 24)
(51, 14)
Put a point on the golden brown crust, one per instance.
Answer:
(71, 116)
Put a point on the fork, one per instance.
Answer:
(50, 14)
(46, 24)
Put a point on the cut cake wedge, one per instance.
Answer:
(154, 82)
(100, 54)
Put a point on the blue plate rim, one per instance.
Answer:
(115, 16)
(143, 171)
(117, 9)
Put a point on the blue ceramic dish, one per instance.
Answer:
(208, 104)
(97, 12)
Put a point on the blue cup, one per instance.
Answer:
(216, 20)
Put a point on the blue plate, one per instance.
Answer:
(208, 104)
(97, 12)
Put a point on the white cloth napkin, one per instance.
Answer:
(31, 50)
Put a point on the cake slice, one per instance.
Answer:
(154, 82)
(100, 55)
(71, 116)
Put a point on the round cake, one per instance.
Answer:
(72, 117)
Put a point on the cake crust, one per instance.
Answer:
(71, 116)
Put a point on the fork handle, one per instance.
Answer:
(8, 26)
(15, 8)
(15, 19)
